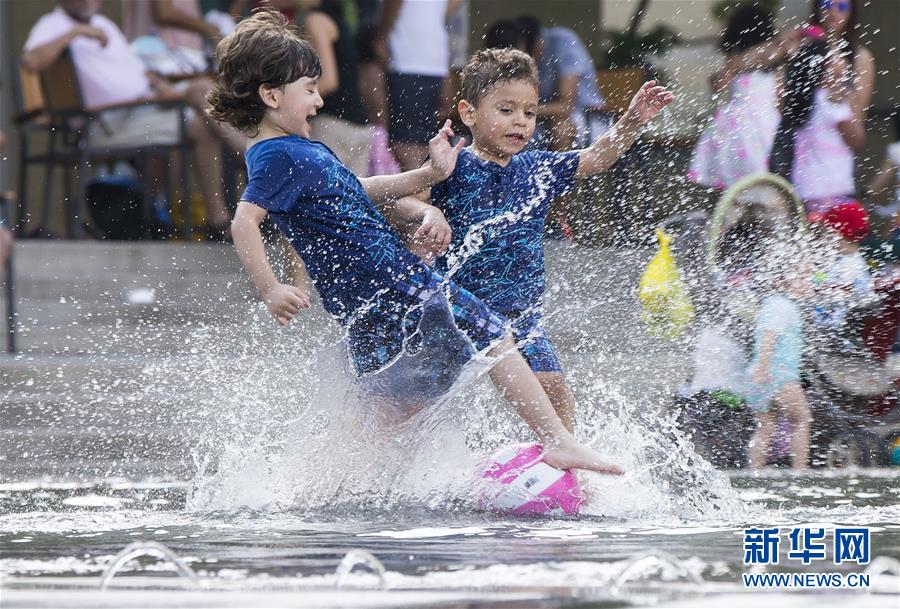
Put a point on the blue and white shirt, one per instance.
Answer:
(497, 215)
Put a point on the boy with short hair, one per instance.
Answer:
(498, 197)
(377, 289)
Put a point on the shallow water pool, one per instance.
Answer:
(58, 537)
(105, 443)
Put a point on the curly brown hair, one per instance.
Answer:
(262, 50)
(490, 67)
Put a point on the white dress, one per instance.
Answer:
(737, 141)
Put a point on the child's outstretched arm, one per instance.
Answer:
(440, 164)
(283, 301)
(602, 154)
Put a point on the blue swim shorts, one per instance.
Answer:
(535, 345)
(394, 322)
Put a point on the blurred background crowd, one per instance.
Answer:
(104, 102)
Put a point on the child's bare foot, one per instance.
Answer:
(569, 454)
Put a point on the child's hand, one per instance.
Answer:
(649, 101)
(433, 236)
(285, 301)
(442, 156)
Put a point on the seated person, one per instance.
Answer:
(568, 83)
(341, 123)
(110, 73)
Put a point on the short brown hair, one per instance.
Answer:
(262, 50)
(490, 67)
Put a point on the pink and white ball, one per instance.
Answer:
(520, 483)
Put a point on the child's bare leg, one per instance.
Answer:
(796, 407)
(759, 444)
(518, 384)
(554, 384)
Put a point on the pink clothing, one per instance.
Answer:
(737, 142)
(108, 75)
(138, 20)
(823, 163)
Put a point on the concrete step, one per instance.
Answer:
(92, 443)
(165, 311)
(77, 469)
(103, 297)
(44, 259)
(130, 287)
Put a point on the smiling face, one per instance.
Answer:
(503, 120)
(291, 106)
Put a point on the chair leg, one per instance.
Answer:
(170, 191)
(230, 168)
(147, 211)
(75, 226)
(48, 184)
(185, 149)
(21, 219)
(67, 185)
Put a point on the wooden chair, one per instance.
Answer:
(62, 113)
(32, 121)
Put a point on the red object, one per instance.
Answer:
(880, 332)
(848, 219)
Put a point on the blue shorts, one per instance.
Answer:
(413, 101)
(393, 323)
(431, 362)
(535, 346)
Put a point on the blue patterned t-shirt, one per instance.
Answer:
(497, 216)
(366, 277)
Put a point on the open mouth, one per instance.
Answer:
(515, 138)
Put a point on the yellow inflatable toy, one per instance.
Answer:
(667, 308)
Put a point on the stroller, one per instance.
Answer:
(853, 393)
(855, 385)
